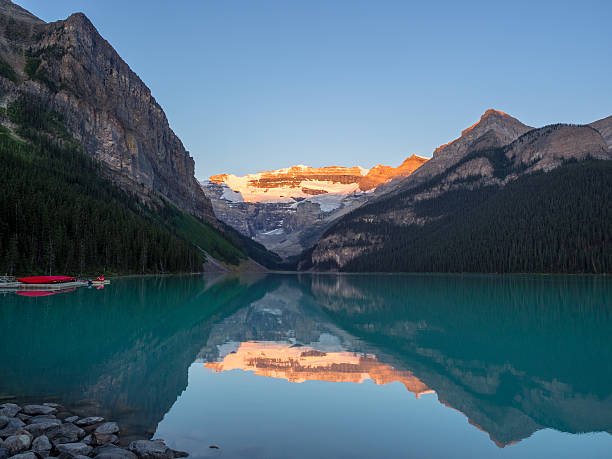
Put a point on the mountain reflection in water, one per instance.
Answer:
(514, 354)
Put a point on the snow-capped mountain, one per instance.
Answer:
(288, 209)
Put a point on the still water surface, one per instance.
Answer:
(273, 366)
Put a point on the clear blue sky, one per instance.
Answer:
(253, 85)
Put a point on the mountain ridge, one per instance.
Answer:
(71, 69)
(475, 161)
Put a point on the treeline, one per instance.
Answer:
(556, 222)
(59, 214)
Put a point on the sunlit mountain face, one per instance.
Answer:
(303, 363)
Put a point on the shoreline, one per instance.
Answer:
(50, 430)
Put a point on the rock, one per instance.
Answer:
(9, 409)
(75, 449)
(88, 440)
(151, 449)
(113, 452)
(3, 421)
(53, 405)
(44, 418)
(72, 419)
(42, 446)
(102, 439)
(38, 409)
(4, 453)
(25, 432)
(24, 417)
(17, 443)
(89, 421)
(65, 433)
(26, 455)
(108, 428)
(40, 428)
(13, 426)
(178, 453)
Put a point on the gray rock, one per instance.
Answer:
(26, 455)
(65, 433)
(4, 453)
(38, 409)
(72, 419)
(113, 452)
(44, 418)
(40, 428)
(75, 449)
(3, 421)
(25, 432)
(24, 417)
(151, 449)
(89, 421)
(53, 405)
(13, 426)
(42, 446)
(9, 409)
(102, 439)
(108, 428)
(17, 443)
(88, 440)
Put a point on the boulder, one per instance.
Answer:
(38, 409)
(107, 428)
(65, 433)
(44, 418)
(89, 421)
(75, 449)
(53, 405)
(40, 428)
(113, 452)
(4, 453)
(42, 446)
(13, 425)
(102, 439)
(151, 449)
(26, 455)
(3, 421)
(9, 409)
(24, 417)
(17, 443)
(72, 419)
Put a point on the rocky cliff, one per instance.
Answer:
(70, 69)
(489, 155)
(288, 209)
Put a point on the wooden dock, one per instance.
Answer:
(59, 286)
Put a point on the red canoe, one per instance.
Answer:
(46, 279)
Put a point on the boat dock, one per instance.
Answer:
(58, 286)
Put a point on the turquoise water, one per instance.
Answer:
(267, 366)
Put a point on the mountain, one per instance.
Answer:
(604, 127)
(72, 106)
(286, 210)
(487, 201)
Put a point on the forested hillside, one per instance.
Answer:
(61, 213)
(559, 222)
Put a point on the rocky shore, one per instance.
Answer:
(49, 430)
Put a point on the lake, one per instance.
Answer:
(360, 366)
